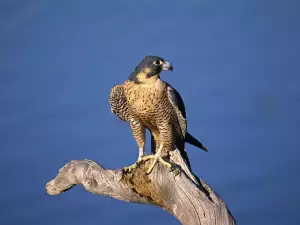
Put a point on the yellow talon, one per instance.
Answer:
(155, 160)
(130, 168)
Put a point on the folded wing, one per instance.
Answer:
(118, 103)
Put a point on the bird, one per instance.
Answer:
(119, 107)
(147, 102)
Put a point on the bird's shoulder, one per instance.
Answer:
(118, 102)
(117, 91)
(175, 99)
(178, 106)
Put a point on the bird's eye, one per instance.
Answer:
(157, 62)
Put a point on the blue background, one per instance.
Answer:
(236, 67)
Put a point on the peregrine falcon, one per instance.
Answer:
(145, 101)
(119, 107)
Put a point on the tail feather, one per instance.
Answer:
(193, 141)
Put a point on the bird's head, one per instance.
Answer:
(148, 70)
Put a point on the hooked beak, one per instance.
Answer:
(167, 66)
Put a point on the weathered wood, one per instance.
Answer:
(178, 191)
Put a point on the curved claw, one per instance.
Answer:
(133, 166)
(130, 168)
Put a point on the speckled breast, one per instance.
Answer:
(143, 101)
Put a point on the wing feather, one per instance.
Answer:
(178, 105)
(118, 103)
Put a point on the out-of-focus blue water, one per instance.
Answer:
(236, 67)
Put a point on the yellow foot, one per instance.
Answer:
(130, 168)
(133, 166)
(155, 160)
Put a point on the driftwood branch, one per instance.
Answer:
(178, 191)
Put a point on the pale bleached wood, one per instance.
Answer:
(178, 190)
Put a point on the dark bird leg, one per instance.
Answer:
(138, 131)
